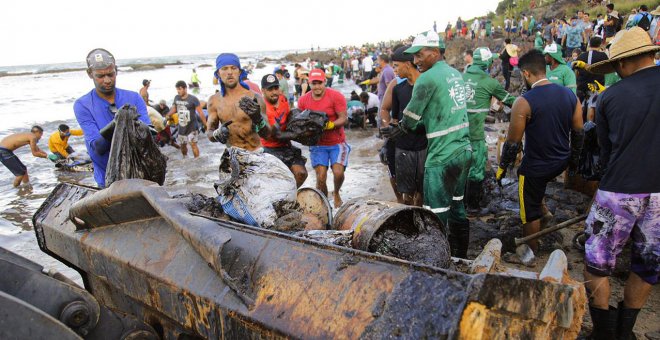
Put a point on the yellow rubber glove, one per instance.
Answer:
(499, 175)
(579, 64)
(596, 87)
(366, 82)
(329, 125)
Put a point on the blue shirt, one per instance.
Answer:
(93, 113)
(574, 36)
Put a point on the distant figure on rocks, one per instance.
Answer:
(229, 122)
(95, 111)
(14, 141)
(194, 79)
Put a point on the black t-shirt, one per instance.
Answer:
(585, 77)
(627, 122)
(414, 141)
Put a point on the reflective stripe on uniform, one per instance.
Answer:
(457, 198)
(477, 110)
(436, 210)
(521, 198)
(447, 131)
(411, 115)
(507, 97)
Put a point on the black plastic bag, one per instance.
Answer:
(133, 152)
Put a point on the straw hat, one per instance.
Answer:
(656, 11)
(625, 45)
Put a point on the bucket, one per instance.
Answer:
(312, 201)
(367, 217)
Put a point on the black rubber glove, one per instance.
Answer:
(108, 130)
(222, 133)
(577, 141)
(508, 157)
(392, 132)
(252, 108)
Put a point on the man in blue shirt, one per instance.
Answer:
(95, 111)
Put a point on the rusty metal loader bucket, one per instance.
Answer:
(140, 252)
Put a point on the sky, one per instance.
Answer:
(46, 31)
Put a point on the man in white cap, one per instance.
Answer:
(627, 203)
(556, 71)
(96, 110)
(438, 104)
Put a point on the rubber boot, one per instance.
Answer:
(472, 198)
(459, 238)
(605, 322)
(626, 322)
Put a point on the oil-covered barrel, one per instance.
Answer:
(406, 232)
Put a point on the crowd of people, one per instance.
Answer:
(581, 78)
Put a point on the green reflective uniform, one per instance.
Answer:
(479, 89)
(438, 104)
(562, 75)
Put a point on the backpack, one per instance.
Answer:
(644, 22)
(619, 23)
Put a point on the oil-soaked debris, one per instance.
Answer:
(306, 127)
(429, 247)
(337, 237)
(203, 205)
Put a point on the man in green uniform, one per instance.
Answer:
(438, 104)
(556, 69)
(538, 41)
(479, 89)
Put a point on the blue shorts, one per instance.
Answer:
(328, 155)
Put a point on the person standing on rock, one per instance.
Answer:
(12, 142)
(550, 117)
(277, 110)
(95, 111)
(556, 70)
(479, 89)
(237, 115)
(332, 150)
(627, 203)
(188, 109)
(438, 105)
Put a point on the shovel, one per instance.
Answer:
(525, 253)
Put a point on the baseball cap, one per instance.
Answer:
(98, 59)
(316, 75)
(400, 54)
(555, 52)
(483, 54)
(145, 82)
(269, 81)
(426, 39)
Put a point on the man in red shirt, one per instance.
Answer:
(332, 150)
(277, 110)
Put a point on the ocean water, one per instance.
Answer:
(47, 99)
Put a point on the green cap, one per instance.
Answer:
(426, 39)
(483, 54)
(555, 52)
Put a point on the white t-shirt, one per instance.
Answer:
(355, 64)
(368, 64)
(475, 25)
(373, 101)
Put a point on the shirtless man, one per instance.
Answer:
(12, 142)
(240, 112)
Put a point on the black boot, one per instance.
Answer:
(459, 238)
(626, 322)
(472, 198)
(604, 323)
